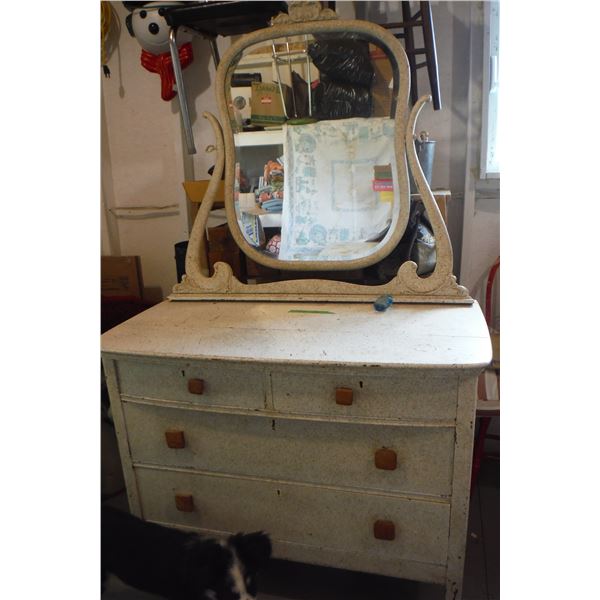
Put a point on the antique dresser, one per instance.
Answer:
(294, 407)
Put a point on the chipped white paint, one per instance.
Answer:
(268, 448)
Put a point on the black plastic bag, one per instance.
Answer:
(335, 100)
(343, 60)
(417, 244)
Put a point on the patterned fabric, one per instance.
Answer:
(339, 188)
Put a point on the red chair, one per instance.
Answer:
(488, 385)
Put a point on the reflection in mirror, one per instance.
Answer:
(315, 169)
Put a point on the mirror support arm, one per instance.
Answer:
(197, 242)
(185, 116)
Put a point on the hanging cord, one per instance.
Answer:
(107, 17)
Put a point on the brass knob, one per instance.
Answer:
(386, 459)
(196, 386)
(384, 530)
(175, 438)
(184, 502)
(343, 396)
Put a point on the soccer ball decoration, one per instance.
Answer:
(147, 24)
(274, 245)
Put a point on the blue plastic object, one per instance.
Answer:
(383, 303)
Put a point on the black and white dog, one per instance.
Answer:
(179, 565)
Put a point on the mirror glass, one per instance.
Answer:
(315, 175)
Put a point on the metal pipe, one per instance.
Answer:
(291, 78)
(185, 116)
(309, 78)
(292, 53)
(279, 80)
(215, 51)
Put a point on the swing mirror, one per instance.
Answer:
(315, 182)
(315, 142)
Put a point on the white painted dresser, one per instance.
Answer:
(343, 432)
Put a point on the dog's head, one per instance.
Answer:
(228, 570)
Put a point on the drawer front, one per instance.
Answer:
(222, 384)
(413, 395)
(313, 516)
(341, 454)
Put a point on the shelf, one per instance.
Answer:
(270, 220)
(269, 137)
(267, 219)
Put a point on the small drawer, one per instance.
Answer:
(204, 383)
(393, 394)
(302, 514)
(412, 460)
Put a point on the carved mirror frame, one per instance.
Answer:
(438, 287)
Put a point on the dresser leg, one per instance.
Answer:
(453, 589)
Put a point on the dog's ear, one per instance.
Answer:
(253, 549)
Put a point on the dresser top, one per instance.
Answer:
(420, 336)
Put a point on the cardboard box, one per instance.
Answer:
(382, 88)
(266, 105)
(121, 277)
(222, 248)
(195, 191)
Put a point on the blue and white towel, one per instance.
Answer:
(331, 211)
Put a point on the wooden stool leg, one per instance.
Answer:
(409, 44)
(431, 54)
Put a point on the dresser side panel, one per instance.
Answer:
(118, 417)
(461, 485)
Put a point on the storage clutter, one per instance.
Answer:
(255, 201)
(294, 83)
(319, 78)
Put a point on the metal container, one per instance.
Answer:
(425, 152)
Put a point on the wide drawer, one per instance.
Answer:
(390, 394)
(314, 451)
(320, 517)
(223, 384)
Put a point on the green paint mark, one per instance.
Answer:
(319, 312)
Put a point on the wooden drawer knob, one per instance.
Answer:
(384, 530)
(386, 459)
(184, 502)
(343, 396)
(175, 438)
(196, 386)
